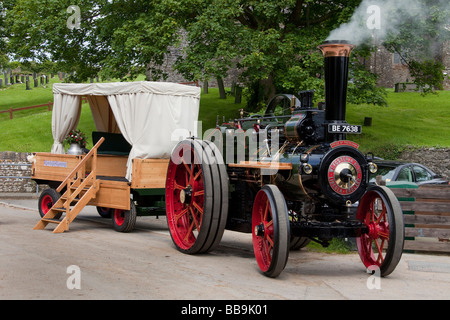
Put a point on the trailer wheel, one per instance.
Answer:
(105, 212)
(196, 196)
(47, 199)
(124, 220)
(382, 246)
(271, 230)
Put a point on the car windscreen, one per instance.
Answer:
(386, 173)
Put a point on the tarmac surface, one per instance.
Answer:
(92, 261)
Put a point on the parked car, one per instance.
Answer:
(407, 172)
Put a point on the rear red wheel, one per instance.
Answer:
(124, 220)
(382, 246)
(271, 231)
(196, 197)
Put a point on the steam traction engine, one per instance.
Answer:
(304, 181)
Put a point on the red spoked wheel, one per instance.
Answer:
(47, 199)
(382, 246)
(196, 196)
(271, 231)
(124, 220)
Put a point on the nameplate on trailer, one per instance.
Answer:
(57, 164)
(341, 143)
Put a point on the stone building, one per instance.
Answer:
(391, 69)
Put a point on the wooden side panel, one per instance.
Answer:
(149, 173)
(53, 167)
(262, 165)
(110, 165)
(112, 194)
(56, 167)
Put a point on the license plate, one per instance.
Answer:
(344, 128)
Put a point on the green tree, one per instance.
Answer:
(272, 43)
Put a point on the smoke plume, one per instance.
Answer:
(379, 19)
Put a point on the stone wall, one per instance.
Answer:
(14, 166)
(436, 159)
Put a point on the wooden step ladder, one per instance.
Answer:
(80, 189)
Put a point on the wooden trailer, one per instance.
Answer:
(124, 174)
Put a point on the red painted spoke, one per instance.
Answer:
(186, 166)
(198, 174)
(371, 216)
(269, 239)
(199, 193)
(189, 232)
(177, 186)
(380, 258)
(196, 206)
(179, 215)
(188, 171)
(382, 216)
(194, 218)
(384, 235)
(266, 209)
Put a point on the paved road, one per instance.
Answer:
(144, 265)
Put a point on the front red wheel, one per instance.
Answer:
(382, 246)
(47, 199)
(271, 231)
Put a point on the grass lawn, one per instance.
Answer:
(410, 119)
(17, 96)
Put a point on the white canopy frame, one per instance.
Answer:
(146, 113)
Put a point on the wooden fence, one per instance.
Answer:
(11, 110)
(426, 212)
(49, 106)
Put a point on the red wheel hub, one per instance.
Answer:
(46, 204)
(119, 216)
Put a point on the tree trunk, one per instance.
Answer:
(261, 92)
(221, 88)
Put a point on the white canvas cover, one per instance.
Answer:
(146, 113)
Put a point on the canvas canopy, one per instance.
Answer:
(146, 113)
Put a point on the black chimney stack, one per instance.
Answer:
(336, 54)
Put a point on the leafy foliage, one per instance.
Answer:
(273, 44)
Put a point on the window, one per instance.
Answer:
(397, 59)
(405, 175)
(422, 174)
